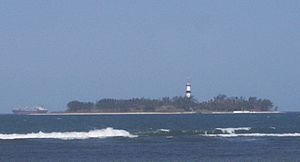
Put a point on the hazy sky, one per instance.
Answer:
(52, 52)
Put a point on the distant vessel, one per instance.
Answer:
(28, 111)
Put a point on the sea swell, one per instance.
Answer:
(111, 132)
(245, 132)
(101, 133)
(220, 132)
(233, 130)
(254, 135)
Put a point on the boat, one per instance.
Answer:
(29, 111)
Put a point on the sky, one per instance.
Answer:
(53, 52)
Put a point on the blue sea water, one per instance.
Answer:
(189, 137)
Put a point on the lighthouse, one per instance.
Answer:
(188, 90)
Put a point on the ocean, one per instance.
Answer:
(188, 137)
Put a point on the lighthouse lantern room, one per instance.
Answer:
(188, 89)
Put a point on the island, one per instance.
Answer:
(177, 104)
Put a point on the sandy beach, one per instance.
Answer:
(156, 113)
(115, 113)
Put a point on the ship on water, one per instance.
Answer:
(29, 111)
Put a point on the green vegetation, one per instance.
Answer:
(175, 104)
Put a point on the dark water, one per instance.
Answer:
(196, 137)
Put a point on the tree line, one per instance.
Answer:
(175, 104)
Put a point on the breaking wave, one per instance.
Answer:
(101, 133)
(164, 130)
(233, 130)
(254, 135)
(221, 132)
(111, 132)
(243, 132)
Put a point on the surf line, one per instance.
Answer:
(101, 133)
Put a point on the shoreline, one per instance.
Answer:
(248, 112)
(158, 113)
(119, 113)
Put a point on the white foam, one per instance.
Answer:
(102, 133)
(232, 130)
(255, 135)
(164, 130)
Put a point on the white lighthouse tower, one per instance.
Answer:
(188, 89)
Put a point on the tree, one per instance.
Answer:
(77, 106)
(177, 103)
